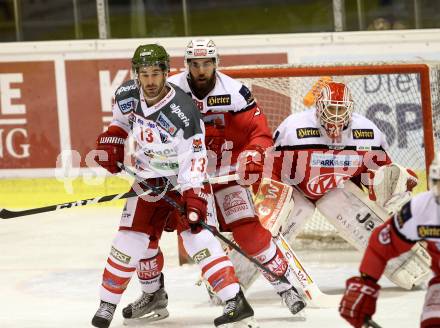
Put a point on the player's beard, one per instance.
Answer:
(202, 85)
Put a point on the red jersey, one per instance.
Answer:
(232, 118)
(418, 220)
(311, 161)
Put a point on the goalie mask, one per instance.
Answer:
(334, 108)
(434, 177)
(201, 49)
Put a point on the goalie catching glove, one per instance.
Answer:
(359, 301)
(390, 186)
(195, 201)
(112, 143)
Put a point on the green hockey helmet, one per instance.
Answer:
(150, 55)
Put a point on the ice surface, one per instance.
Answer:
(51, 266)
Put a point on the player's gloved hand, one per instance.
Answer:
(214, 138)
(112, 142)
(390, 186)
(250, 165)
(359, 301)
(195, 201)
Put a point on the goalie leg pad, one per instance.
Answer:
(302, 210)
(356, 217)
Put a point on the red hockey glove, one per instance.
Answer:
(250, 164)
(196, 208)
(112, 142)
(359, 300)
(215, 138)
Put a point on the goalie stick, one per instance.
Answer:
(10, 214)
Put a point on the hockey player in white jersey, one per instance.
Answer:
(328, 154)
(169, 138)
(418, 220)
(236, 134)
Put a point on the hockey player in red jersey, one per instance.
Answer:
(418, 220)
(169, 137)
(328, 154)
(237, 134)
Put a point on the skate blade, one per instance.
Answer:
(249, 322)
(156, 315)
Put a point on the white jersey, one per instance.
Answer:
(228, 94)
(419, 219)
(317, 163)
(169, 136)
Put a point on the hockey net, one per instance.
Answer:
(402, 99)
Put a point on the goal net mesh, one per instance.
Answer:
(393, 101)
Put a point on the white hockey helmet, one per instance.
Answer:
(434, 177)
(334, 108)
(201, 48)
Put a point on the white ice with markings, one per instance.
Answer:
(51, 266)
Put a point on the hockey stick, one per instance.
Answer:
(315, 297)
(369, 323)
(9, 214)
(181, 209)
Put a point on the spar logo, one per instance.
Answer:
(324, 182)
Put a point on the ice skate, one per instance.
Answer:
(104, 315)
(237, 313)
(147, 308)
(293, 300)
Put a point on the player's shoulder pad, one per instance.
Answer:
(183, 113)
(365, 129)
(242, 98)
(297, 126)
(127, 96)
(403, 216)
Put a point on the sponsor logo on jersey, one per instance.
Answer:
(219, 100)
(128, 105)
(197, 145)
(384, 235)
(324, 182)
(363, 133)
(218, 120)
(234, 202)
(120, 256)
(166, 166)
(175, 109)
(166, 124)
(428, 231)
(363, 148)
(163, 137)
(127, 88)
(302, 133)
(332, 160)
(201, 255)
